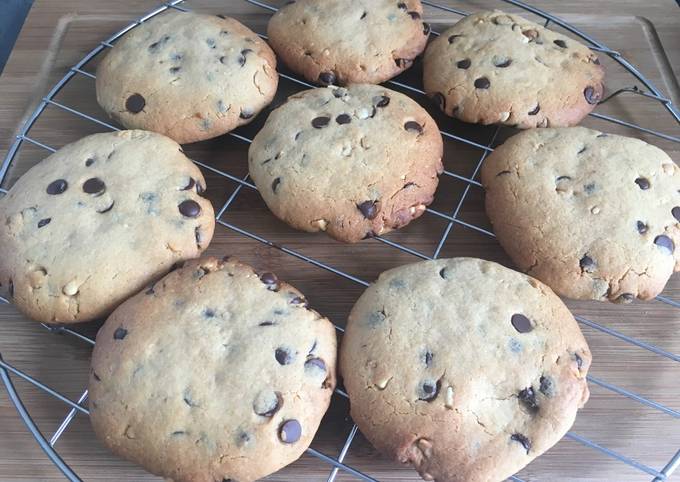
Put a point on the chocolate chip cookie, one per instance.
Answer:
(593, 215)
(348, 41)
(96, 221)
(214, 373)
(354, 162)
(498, 68)
(463, 368)
(188, 76)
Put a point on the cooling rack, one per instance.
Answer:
(451, 218)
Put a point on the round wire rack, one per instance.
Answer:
(451, 218)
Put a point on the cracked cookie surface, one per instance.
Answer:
(188, 76)
(98, 220)
(593, 215)
(353, 161)
(498, 68)
(356, 41)
(215, 373)
(463, 368)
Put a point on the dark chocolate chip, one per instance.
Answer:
(363, 15)
(427, 358)
(135, 103)
(106, 209)
(589, 188)
(94, 186)
(642, 227)
(299, 301)
(268, 403)
(368, 209)
(414, 15)
(120, 333)
(189, 208)
(452, 38)
(283, 356)
(326, 78)
(270, 280)
(527, 397)
(320, 122)
(267, 323)
(665, 244)
(518, 437)
(643, 183)
(403, 63)
(443, 273)
(428, 390)
(503, 63)
(463, 64)
(577, 357)
(96, 377)
(482, 83)
(426, 28)
(246, 113)
(174, 70)
(536, 110)
(44, 222)
(676, 212)
(547, 386)
(290, 431)
(313, 364)
(413, 126)
(57, 187)
(401, 6)
(343, 119)
(440, 100)
(587, 264)
(381, 101)
(583, 149)
(521, 323)
(592, 96)
(560, 43)
(89, 162)
(564, 178)
(275, 184)
(208, 313)
(189, 185)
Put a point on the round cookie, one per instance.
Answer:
(188, 76)
(355, 41)
(593, 215)
(98, 220)
(463, 368)
(215, 373)
(353, 162)
(498, 68)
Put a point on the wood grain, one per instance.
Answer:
(57, 34)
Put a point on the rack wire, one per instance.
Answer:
(451, 219)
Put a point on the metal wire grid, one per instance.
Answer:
(452, 219)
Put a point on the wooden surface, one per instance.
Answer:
(58, 34)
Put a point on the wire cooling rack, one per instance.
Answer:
(451, 218)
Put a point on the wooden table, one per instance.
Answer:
(58, 34)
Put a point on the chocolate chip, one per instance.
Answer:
(527, 397)
(270, 280)
(440, 100)
(106, 209)
(208, 313)
(174, 70)
(502, 63)
(452, 38)
(57, 187)
(583, 149)
(135, 103)
(283, 356)
(676, 212)
(591, 95)
(368, 209)
(413, 126)
(589, 188)
(482, 83)
(189, 208)
(246, 113)
(587, 264)
(89, 162)
(401, 6)
(428, 390)
(443, 273)
(403, 63)
(426, 28)
(189, 185)
(275, 184)
(547, 386)
(343, 119)
(641, 227)
(665, 244)
(536, 110)
(463, 64)
(267, 323)
(44, 222)
(625, 298)
(94, 186)
(313, 364)
(120, 333)
(290, 431)
(643, 182)
(320, 122)
(326, 78)
(299, 301)
(267, 403)
(521, 323)
(96, 377)
(381, 101)
(518, 437)
(564, 178)
(560, 43)
(427, 358)
(414, 15)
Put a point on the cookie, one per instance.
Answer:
(354, 162)
(215, 373)
(463, 368)
(188, 76)
(593, 215)
(98, 220)
(498, 68)
(348, 41)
